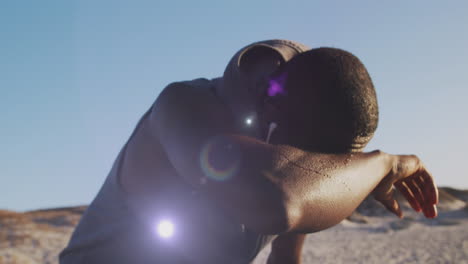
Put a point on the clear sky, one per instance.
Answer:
(75, 77)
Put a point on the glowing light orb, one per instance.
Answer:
(165, 229)
(248, 121)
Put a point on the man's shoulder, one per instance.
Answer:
(200, 83)
(188, 95)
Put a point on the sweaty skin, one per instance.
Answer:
(192, 159)
(287, 247)
(278, 189)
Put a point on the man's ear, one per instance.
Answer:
(257, 55)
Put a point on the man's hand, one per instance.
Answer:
(411, 178)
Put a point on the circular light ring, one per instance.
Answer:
(208, 153)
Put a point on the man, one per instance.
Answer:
(324, 102)
(197, 168)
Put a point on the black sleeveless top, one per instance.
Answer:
(109, 232)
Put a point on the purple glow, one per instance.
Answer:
(277, 85)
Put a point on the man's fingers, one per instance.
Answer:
(430, 211)
(393, 206)
(396, 209)
(430, 188)
(415, 189)
(430, 193)
(386, 198)
(403, 188)
(417, 185)
(421, 193)
(426, 198)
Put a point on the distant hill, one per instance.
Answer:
(460, 194)
(38, 236)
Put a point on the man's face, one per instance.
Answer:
(292, 116)
(257, 75)
(302, 119)
(252, 89)
(299, 114)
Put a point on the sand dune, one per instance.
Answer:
(36, 236)
(370, 235)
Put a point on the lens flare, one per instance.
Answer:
(220, 159)
(271, 128)
(165, 229)
(277, 85)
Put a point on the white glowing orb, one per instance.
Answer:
(165, 229)
(248, 121)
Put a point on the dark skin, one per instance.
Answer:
(287, 248)
(278, 189)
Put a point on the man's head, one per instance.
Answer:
(323, 100)
(247, 73)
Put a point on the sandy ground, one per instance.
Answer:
(372, 235)
(389, 240)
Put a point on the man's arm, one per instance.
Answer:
(287, 249)
(275, 189)
(198, 134)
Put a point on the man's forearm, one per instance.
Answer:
(279, 185)
(324, 189)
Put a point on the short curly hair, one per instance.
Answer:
(330, 91)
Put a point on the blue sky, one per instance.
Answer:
(75, 76)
